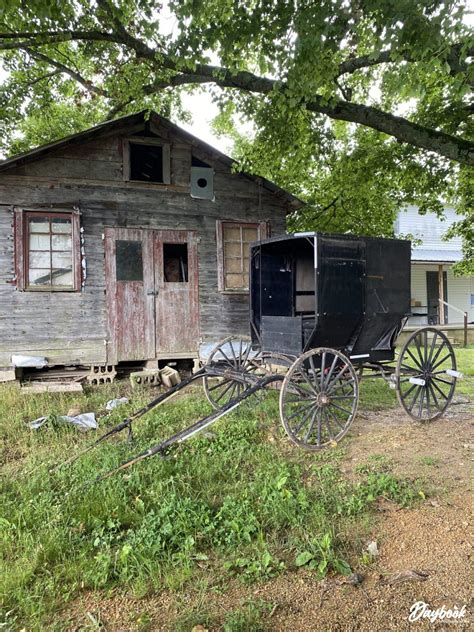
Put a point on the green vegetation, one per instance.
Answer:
(429, 460)
(231, 505)
(238, 504)
(465, 359)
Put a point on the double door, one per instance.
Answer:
(152, 294)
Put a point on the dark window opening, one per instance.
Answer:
(128, 260)
(175, 263)
(195, 162)
(146, 162)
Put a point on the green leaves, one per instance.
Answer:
(321, 557)
(404, 58)
(303, 558)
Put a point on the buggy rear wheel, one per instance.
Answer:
(426, 374)
(319, 398)
(235, 354)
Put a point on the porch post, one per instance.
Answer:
(441, 294)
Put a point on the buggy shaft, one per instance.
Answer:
(195, 428)
(127, 423)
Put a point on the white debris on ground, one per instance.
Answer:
(113, 403)
(373, 549)
(84, 422)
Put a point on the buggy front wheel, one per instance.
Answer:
(319, 398)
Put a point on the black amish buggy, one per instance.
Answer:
(325, 313)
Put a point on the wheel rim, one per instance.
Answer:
(318, 399)
(233, 353)
(426, 357)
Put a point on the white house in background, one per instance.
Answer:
(432, 262)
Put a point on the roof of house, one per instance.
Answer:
(430, 230)
(435, 256)
(130, 120)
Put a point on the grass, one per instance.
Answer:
(239, 504)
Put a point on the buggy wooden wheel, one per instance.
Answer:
(318, 398)
(426, 374)
(235, 354)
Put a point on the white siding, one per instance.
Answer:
(429, 228)
(459, 293)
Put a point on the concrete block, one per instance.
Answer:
(7, 375)
(170, 377)
(105, 374)
(151, 377)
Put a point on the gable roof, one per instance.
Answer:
(125, 122)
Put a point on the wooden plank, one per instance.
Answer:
(177, 303)
(47, 387)
(7, 375)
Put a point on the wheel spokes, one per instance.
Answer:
(311, 425)
(430, 351)
(298, 428)
(440, 362)
(314, 380)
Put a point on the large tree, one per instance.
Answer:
(357, 105)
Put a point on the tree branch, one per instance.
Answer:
(451, 147)
(152, 88)
(188, 72)
(55, 37)
(43, 77)
(90, 87)
(365, 61)
(452, 56)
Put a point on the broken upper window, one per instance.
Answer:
(147, 160)
(47, 251)
(233, 243)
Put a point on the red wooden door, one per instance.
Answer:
(152, 294)
(130, 285)
(176, 288)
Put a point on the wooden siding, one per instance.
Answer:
(71, 328)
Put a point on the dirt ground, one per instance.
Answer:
(435, 540)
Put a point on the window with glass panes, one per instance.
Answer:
(233, 252)
(49, 255)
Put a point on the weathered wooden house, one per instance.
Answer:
(127, 242)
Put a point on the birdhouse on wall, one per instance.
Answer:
(202, 180)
